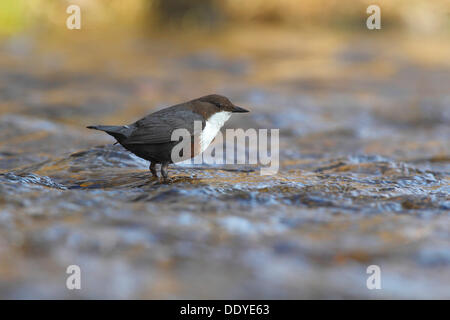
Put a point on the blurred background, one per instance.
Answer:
(364, 149)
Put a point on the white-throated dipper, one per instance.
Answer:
(150, 137)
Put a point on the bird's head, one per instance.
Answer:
(222, 103)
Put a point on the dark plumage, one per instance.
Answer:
(150, 137)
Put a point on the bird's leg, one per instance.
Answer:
(164, 173)
(153, 169)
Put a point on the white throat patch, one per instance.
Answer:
(212, 127)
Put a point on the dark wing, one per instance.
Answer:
(158, 127)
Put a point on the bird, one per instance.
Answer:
(150, 137)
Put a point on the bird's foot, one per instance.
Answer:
(166, 180)
(164, 173)
(153, 170)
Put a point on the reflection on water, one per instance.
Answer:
(364, 172)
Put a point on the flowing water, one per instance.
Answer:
(363, 179)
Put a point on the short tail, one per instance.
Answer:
(118, 132)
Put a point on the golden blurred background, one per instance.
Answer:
(49, 15)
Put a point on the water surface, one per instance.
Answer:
(363, 179)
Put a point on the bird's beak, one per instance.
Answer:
(239, 109)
